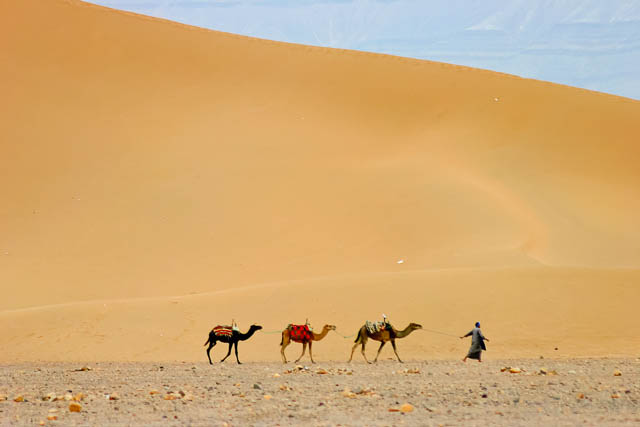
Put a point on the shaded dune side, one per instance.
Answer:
(143, 158)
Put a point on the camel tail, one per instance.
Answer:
(208, 340)
(358, 337)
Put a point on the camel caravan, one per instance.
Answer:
(381, 331)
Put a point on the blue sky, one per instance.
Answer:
(594, 44)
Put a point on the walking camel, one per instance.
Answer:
(229, 335)
(384, 335)
(302, 334)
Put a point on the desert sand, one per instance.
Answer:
(158, 179)
(561, 392)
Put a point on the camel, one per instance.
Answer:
(287, 338)
(232, 339)
(383, 336)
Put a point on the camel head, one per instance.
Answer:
(330, 327)
(255, 327)
(415, 326)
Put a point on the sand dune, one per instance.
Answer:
(158, 179)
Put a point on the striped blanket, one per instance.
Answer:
(300, 333)
(223, 331)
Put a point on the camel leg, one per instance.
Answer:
(310, 354)
(235, 346)
(379, 350)
(228, 353)
(283, 345)
(304, 348)
(211, 345)
(352, 350)
(393, 343)
(364, 343)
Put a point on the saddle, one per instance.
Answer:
(373, 327)
(300, 333)
(223, 331)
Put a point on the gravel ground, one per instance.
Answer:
(571, 392)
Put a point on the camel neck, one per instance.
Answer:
(403, 333)
(318, 337)
(246, 336)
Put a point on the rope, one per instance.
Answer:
(344, 336)
(272, 332)
(441, 333)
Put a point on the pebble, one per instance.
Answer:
(515, 370)
(49, 397)
(617, 373)
(407, 407)
(257, 387)
(267, 397)
(114, 396)
(52, 417)
(3, 397)
(18, 398)
(75, 407)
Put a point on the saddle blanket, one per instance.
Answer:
(223, 331)
(300, 333)
(374, 327)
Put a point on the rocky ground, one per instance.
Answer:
(534, 391)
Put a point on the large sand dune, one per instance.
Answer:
(158, 179)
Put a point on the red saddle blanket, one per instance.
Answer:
(300, 333)
(223, 331)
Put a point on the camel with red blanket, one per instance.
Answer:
(230, 335)
(304, 335)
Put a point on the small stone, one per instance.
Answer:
(505, 368)
(580, 396)
(3, 397)
(257, 387)
(152, 392)
(394, 410)
(188, 397)
(267, 397)
(75, 407)
(49, 397)
(407, 407)
(52, 417)
(543, 371)
(41, 423)
(68, 396)
(348, 393)
(276, 375)
(615, 396)
(617, 373)
(78, 397)
(322, 372)
(52, 410)
(114, 396)
(515, 370)
(18, 398)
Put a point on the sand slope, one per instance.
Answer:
(146, 162)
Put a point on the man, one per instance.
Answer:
(477, 344)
